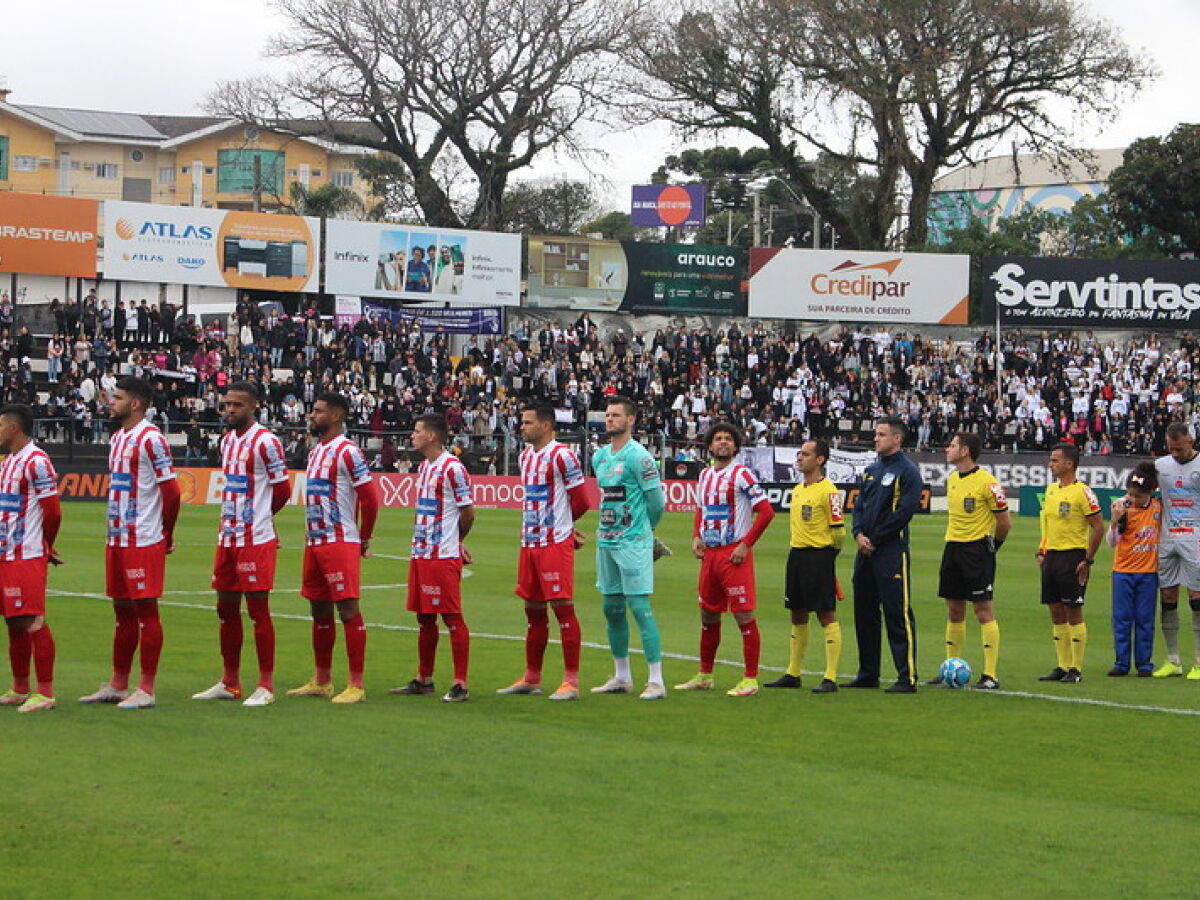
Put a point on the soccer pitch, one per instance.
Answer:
(787, 793)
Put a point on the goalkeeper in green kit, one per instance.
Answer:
(631, 504)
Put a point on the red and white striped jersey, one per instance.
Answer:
(546, 476)
(443, 486)
(335, 468)
(26, 477)
(139, 461)
(251, 462)
(727, 499)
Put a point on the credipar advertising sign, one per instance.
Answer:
(213, 247)
(1104, 292)
(859, 286)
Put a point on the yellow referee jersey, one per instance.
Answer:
(1065, 513)
(973, 499)
(816, 512)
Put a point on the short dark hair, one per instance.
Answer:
(820, 448)
(1069, 451)
(630, 406)
(436, 423)
(1178, 430)
(971, 441)
(22, 413)
(896, 425)
(543, 412)
(337, 401)
(724, 428)
(245, 387)
(138, 387)
(1143, 476)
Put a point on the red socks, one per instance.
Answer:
(125, 641)
(356, 647)
(264, 640)
(427, 641)
(324, 636)
(230, 616)
(151, 641)
(751, 645)
(20, 647)
(568, 625)
(710, 640)
(536, 638)
(460, 644)
(43, 659)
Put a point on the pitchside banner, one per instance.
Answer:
(458, 320)
(212, 247)
(606, 276)
(1118, 293)
(416, 263)
(48, 235)
(859, 286)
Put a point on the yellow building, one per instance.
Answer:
(177, 160)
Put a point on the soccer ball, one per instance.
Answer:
(955, 672)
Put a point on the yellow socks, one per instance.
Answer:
(798, 646)
(990, 634)
(956, 636)
(1078, 644)
(1062, 646)
(833, 649)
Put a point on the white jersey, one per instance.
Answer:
(1180, 486)
(26, 478)
(727, 499)
(443, 487)
(139, 461)
(251, 462)
(335, 468)
(547, 475)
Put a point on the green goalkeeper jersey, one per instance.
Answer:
(624, 479)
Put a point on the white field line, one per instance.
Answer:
(382, 626)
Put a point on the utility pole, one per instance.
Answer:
(257, 183)
(757, 220)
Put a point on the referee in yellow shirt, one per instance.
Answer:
(818, 530)
(1072, 528)
(979, 523)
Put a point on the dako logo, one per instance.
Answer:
(871, 280)
(190, 262)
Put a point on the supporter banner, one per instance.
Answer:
(1032, 499)
(347, 310)
(458, 320)
(151, 242)
(779, 463)
(656, 205)
(859, 286)
(606, 276)
(780, 495)
(48, 235)
(1113, 293)
(413, 262)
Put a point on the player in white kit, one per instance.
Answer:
(1179, 549)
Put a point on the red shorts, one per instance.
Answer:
(547, 573)
(332, 572)
(725, 587)
(435, 585)
(135, 573)
(23, 587)
(245, 569)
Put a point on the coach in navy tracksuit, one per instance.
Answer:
(889, 495)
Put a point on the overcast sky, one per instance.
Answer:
(134, 56)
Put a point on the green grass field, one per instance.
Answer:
(783, 794)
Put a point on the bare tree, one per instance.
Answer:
(899, 89)
(462, 92)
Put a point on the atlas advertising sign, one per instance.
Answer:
(413, 262)
(607, 276)
(211, 247)
(1124, 293)
(656, 205)
(859, 286)
(48, 235)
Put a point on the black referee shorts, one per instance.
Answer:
(1060, 584)
(811, 580)
(968, 570)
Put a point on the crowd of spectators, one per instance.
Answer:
(1105, 395)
